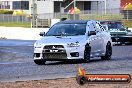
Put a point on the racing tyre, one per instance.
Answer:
(87, 53)
(39, 62)
(108, 52)
(81, 80)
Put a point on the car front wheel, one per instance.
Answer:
(39, 62)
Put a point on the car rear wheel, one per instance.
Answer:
(108, 52)
(87, 53)
(39, 62)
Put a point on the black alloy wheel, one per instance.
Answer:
(39, 62)
(108, 52)
(87, 53)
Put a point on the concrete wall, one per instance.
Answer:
(21, 33)
(111, 4)
(48, 6)
(130, 29)
(45, 7)
(94, 5)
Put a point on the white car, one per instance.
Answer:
(73, 39)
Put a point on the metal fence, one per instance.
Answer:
(11, 18)
(82, 13)
(109, 14)
(44, 20)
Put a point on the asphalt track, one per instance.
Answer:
(16, 63)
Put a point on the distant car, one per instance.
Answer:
(70, 40)
(118, 32)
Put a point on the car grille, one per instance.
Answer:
(54, 56)
(53, 46)
(54, 52)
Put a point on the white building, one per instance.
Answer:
(16, 5)
(51, 6)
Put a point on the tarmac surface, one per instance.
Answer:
(16, 63)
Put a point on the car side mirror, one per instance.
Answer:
(42, 33)
(91, 33)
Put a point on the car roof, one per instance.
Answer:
(74, 22)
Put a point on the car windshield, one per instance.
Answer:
(67, 30)
(113, 25)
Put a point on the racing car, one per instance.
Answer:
(73, 40)
(119, 33)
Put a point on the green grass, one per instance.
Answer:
(101, 17)
(127, 23)
(95, 16)
(82, 16)
(107, 17)
(16, 24)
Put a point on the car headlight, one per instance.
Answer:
(37, 45)
(73, 45)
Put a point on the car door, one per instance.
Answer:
(99, 38)
(94, 40)
(102, 37)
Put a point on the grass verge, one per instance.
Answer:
(82, 16)
(16, 24)
(101, 17)
(116, 17)
(127, 23)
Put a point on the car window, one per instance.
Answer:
(119, 26)
(113, 25)
(105, 27)
(98, 28)
(92, 27)
(102, 28)
(67, 30)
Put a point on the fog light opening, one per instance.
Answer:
(74, 54)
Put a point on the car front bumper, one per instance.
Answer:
(121, 39)
(66, 53)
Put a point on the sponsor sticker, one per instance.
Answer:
(83, 78)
